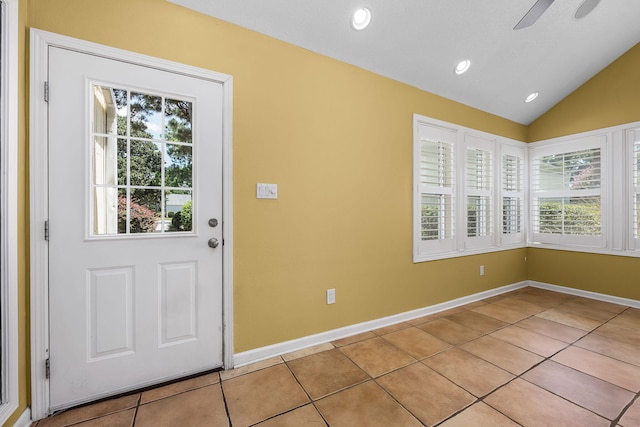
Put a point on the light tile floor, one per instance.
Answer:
(529, 357)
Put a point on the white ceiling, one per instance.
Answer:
(419, 42)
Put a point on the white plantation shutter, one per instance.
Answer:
(512, 192)
(635, 185)
(479, 190)
(437, 180)
(566, 183)
(435, 201)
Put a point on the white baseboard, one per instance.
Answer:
(262, 353)
(24, 420)
(586, 294)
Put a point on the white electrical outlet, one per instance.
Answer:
(482, 270)
(331, 296)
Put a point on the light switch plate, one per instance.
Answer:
(266, 191)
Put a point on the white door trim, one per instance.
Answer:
(9, 201)
(38, 148)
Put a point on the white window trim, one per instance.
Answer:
(9, 203)
(461, 245)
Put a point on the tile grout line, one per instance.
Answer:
(226, 406)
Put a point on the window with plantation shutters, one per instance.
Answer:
(566, 187)
(458, 176)
(512, 193)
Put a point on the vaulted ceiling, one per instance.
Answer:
(420, 42)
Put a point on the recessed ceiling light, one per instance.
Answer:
(463, 66)
(361, 19)
(531, 97)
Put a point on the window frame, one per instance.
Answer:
(461, 244)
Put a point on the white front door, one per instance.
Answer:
(135, 213)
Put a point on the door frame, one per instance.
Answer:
(41, 41)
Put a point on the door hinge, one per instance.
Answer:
(47, 369)
(46, 91)
(46, 230)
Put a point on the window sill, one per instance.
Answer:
(467, 252)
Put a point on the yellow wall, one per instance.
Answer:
(610, 98)
(337, 141)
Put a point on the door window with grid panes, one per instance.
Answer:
(142, 150)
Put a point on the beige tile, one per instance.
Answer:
(634, 312)
(327, 372)
(307, 352)
(532, 406)
(552, 329)
(254, 397)
(607, 346)
(631, 418)
(626, 335)
(506, 356)
(532, 341)
(501, 313)
(477, 321)
(391, 328)
(626, 320)
(470, 372)
(449, 331)
(591, 393)
(543, 300)
(451, 311)
(88, 412)
(429, 396)
(519, 306)
(377, 356)
(307, 416)
(600, 305)
(119, 419)
(204, 406)
(475, 304)
(569, 319)
(242, 370)
(364, 405)
(614, 371)
(416, 342)
(584, 309)
(353, 338)
(423, 319)
(179, 387)
(479, 415)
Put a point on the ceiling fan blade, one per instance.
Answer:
(585, 8)
(534, 13)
